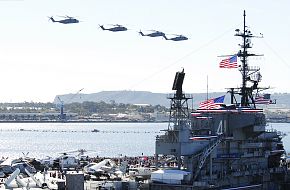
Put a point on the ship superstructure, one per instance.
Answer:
(228, 147)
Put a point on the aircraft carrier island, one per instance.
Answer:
(222, 147)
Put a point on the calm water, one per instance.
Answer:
(74, 136)
(50, 139)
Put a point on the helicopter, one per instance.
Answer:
(177, 38)
(115, 28)
(155, 33)
(81, 154)
(67, 20)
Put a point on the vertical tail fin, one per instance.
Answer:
(52, 19)
(12, 177)
(141, 33)
(102, 27)
(164, 36)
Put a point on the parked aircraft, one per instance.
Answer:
(99, 168)
(105, 168)
(33, 181)
(47, 161)
(66, 161)
(9, 165)
(141, 172)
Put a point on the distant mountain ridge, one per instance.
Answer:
(132, 97)
(146, 97)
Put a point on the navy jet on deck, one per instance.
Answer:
(155, 33)
(67, 20)
(177, 38)
(115, 28)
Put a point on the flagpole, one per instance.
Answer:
(192, 103)
(207, 89)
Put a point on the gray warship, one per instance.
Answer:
(226, 148)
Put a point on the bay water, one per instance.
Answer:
(113, 139)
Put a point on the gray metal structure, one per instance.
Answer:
(226, 148)
(74, 181)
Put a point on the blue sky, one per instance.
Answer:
(40, 59)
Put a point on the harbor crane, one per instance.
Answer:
(62, 115)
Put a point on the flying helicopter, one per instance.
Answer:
(115, 28)
(177, 38)
(67, 20)
(154, 33)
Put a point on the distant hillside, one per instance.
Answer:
(144, 97)
(131, 97)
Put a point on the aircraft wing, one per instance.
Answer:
(7, 162)
(99, 170)
(118, 172)
(106, 168)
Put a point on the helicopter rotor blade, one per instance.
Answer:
(66, 16)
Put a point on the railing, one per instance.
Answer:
(206, 153)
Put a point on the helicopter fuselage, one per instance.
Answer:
(68, 21)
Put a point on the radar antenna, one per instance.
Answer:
(179, 106)
(179, 113)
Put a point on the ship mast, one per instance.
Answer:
(243, 55)
(249, 74)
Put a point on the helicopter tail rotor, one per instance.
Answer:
(141, 33)
(102, 27)
(164, 36)
(51, 18)
(25, 155)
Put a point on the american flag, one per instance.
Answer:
(230, 62)
(263, 99)
(214, 103)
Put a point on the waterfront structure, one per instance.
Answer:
(35, 116)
